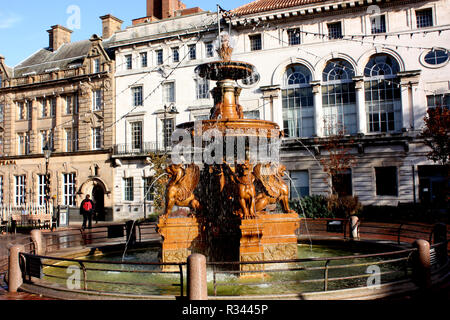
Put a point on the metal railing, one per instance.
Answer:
(105, 266)
(142, 149)
(297, 265)
(397, 264)
(98, 235)
(397, 232)
(27, 213)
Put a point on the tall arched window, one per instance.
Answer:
(383, 94)
(298, 102)
(339, 98)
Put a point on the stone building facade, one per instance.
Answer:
(324, 67)
(369, 70)
(63, 97)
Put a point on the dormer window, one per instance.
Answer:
(96, 66)
(51, 70)
(97, 100)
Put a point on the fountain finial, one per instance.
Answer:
(226, 50)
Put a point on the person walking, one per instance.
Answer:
(87, 210)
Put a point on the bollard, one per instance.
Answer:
(422, 264)
(36, 237)
(196, 282)
(354, 227)
(15, 279)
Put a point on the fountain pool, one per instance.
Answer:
(303, 275)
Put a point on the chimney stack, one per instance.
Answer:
(110, 25)
(58, 35)
(163, 9)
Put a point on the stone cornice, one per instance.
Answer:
(313, 10)
(56, 82)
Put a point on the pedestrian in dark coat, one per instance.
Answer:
(87, 210)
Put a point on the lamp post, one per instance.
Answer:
(172, 110)
(47, 153)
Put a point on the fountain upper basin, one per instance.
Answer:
(223, 70)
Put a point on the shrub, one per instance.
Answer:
(312, 207)
(317, 206)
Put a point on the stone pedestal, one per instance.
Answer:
(269, 237)
(181, 238)
(251, 247)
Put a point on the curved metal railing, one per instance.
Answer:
(327, 267)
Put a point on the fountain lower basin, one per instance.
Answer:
(126, 279)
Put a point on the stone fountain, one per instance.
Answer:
(236, 207)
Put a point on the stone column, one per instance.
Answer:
(406, 106)
(85, 112)
(361, 113)
(9, 126)
(196, 281)
(318, 110)
(57, 131)
(36, 237)
(422, 264)
(409, 79)
(34, 133)
(354, 228)
(273, 109)
(15, 279)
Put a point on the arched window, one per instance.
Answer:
(298, 102)
(383, 94)
(339, 98)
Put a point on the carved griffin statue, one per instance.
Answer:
(244, 188)
(274, 188)
(180, 190)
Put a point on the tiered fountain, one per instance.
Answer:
(228, 210)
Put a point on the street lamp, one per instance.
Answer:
(47, 153)
(172, 110)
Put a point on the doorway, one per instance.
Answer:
(98, 195)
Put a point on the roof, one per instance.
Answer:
(44, 59)
(269, 5)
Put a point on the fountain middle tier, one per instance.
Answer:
(237, 127)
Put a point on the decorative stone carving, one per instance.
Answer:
(280, 251)
(243, 178)
(274, 188)
(180, 190)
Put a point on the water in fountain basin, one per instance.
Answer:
(231, 284)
